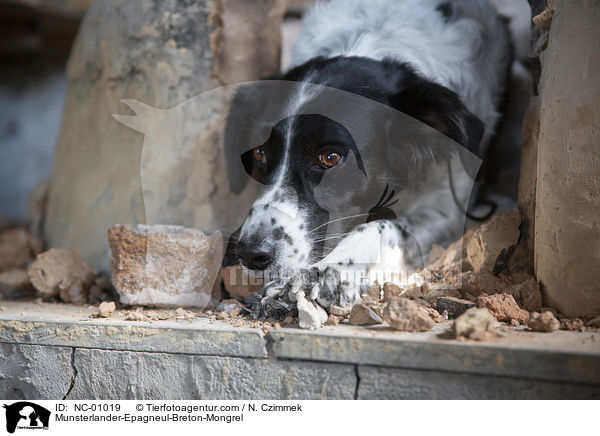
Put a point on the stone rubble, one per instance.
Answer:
(503, 307)
(61, 271)
(543, 322)
(476, 324)
(106, 309)
(406, 315)
(454, 306)
(490, 246)
(311, 316)
(362, 314)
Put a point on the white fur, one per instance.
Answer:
(469, 54)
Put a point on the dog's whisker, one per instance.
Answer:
(339, 219)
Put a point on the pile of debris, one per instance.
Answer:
(27, 271)
(482, 280)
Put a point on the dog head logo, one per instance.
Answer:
(26, 415)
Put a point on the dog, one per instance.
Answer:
(441, 63)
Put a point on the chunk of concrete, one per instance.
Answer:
(527, 294)
(106, 309)
(477, 284)
(310, 315)
(490, 246)
(503, 307)
(476, 324)
(406, 315)
(362, 314)
(164, 265)
(58, 269)
(543, 322)
(454, 306)
(391, 290)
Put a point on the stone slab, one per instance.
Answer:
(66, 325)
(202, 346)
(33, 371)
(379, 383)
(152, 376)
(561, 356)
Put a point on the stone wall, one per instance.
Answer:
(55, 351)
(567, 226)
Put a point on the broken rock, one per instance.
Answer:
(59, 268)
(477, 284)
(106, 309)
(527, 294)
(373, 293)
(73, 290)
(310, 315)
(362, 314)
(432, 294)
(333, 320)
(454, 306)
(391, 290)
(544, 322)
(476, 324)
(491, 245)
(406, 315)
(230, 305)
(574, 325)
(164, 265)
(503, 307)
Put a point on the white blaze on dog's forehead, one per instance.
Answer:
(284, 200)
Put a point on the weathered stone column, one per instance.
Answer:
(567, 216)
(160, 52)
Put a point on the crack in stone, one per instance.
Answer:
(74, 376)
(357, 382)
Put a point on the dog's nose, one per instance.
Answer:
(256, 258)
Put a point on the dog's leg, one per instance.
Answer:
(383, 250)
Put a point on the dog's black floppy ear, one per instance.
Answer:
(441, 109)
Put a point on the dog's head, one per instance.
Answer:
(319, 167)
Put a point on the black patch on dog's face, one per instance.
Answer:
(311, 135)
(397, 85)
(294, 144)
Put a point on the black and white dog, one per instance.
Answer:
(441, 62)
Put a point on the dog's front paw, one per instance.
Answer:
(330, 290)
(271, 301)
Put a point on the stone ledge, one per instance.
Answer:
(72, 326)
(203, 358)
(560, 356)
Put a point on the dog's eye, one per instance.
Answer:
(329, 158)
(259, 154)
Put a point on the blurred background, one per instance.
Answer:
(36, 37)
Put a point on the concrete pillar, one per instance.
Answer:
(567, 216)
(160, 52)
